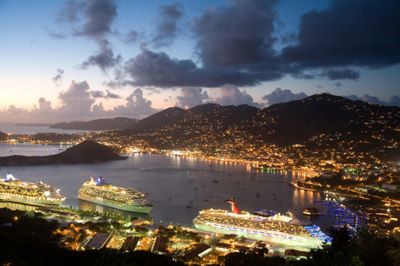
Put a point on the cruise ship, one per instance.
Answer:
(96, 190)
(277, 229)
(15, 190)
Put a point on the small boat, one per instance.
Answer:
(311, 211)
(264, 212)
(215, 181)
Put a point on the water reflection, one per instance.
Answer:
(17, 206)
(107, 211)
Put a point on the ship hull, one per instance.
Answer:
(298, 242)
(128, 208)
(29, 201)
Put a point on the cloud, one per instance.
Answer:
(191, 97)
(105, 95)
(234, 44)
(394, 100)
(77, 99)
(358, 33)
(104, 59)
(93, 19)
(167, 27)
(236, 35)
(111, 95)
(231, 95)
(157, 69)
(281, 96)
(98, 18)
(335, 74)
(132, 37)
(44, 106)
(338, 84)
(78, 102)
(70, 12)
(97, 94)
(57, 79)
(136, 104)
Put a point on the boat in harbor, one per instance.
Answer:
(273, 228)
(16, 190)
(265, 212)
(311, 211)
(98, 191)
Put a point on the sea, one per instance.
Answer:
(177, 187)
(11, 128)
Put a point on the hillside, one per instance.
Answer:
(211, 115)
(83, 153)
(318, 121)
(299, 121)
(98, 124)
(3, 136)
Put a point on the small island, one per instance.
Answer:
(86, 152)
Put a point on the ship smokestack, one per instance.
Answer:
(234, 207)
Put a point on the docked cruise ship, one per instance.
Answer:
(126, 199)
(15, 190)
(278, 229)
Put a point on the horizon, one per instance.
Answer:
(202, 104)
(104, 58)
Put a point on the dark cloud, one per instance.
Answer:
(167, 27)
(98, 18)
(281, 96)
(93, 19)
(70, 12)
(111, 95)
(104, 59)
(338, 84)
(158, 69)
(335, 74)
(360, 33)
(239, 34)
(57, 79)
(132, 37)
(234, 45)
(97, 94)
(191, 97)
(394, 100)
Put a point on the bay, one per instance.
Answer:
(178, 187)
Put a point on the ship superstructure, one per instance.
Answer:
(277, 229)
(15, 190)
(98, 191)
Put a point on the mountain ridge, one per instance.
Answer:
(323, 117)
(97, 124)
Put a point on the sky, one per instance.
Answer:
(81, 60)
